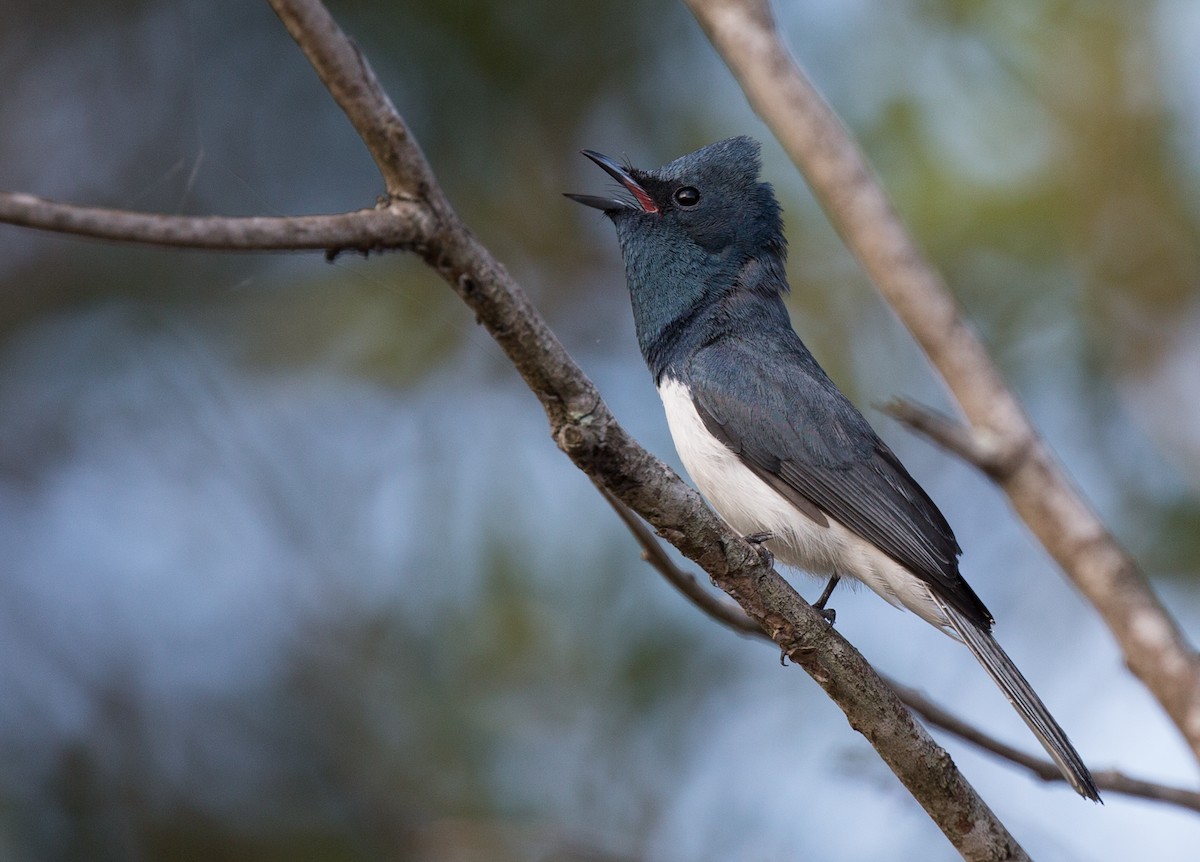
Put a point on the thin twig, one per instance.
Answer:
(687, 583)
(1154, 647)
(1108, 779)
(397, 225)
(952, 435)
(934, 714)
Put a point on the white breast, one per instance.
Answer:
(749, 505)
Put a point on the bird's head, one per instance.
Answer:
(693, 233)
(708, 203)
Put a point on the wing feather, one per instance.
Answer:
(770, 402)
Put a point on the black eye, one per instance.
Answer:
(687, 196)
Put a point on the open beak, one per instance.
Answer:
(621, 175)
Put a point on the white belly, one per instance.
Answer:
(749, 505)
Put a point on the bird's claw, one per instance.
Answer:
(758, 540)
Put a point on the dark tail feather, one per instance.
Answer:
(1025, 700)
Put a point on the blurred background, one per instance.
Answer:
(289, 565)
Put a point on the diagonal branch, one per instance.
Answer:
(1155, 649)
(937, 716)
(349, 78)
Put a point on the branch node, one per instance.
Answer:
(573, 440)
(993, 454)
(467, 286)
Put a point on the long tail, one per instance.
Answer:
(1025, 700)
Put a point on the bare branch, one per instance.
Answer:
(654, 553)
(1155, 648)
(1108, 779)
(973, 446)
(934, 714)
(349, 78)
(398, 225)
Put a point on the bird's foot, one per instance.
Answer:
(758, 540)
(829, 613)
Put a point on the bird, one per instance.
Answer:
(770, 441)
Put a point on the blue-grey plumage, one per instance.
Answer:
(767, 437)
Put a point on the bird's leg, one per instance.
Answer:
(819, 604)
(829, 613)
